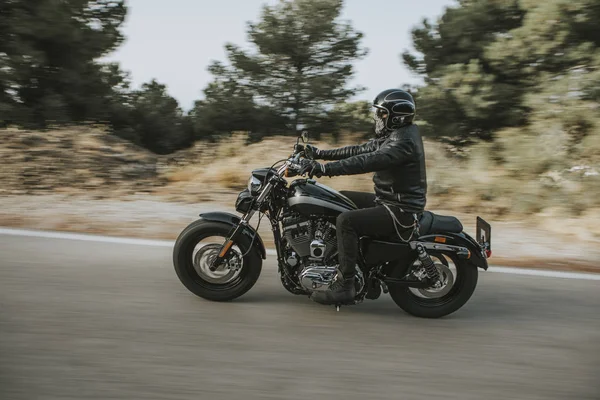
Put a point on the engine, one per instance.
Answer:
(313, 249)
(314, 240)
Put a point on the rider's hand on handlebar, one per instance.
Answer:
(314, 168)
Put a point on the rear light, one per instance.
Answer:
(488, 253)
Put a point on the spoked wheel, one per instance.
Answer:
(194, 251)
(458, 282)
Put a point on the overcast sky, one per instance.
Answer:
(174, 41)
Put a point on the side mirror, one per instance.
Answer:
(304, 136)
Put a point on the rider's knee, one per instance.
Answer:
(343, 220)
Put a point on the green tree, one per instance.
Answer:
(158, 120)
(354, 116)
(492, 64)
(464, 95)
(229, 106)
(301, 61)
(48, 53)
(555, 54)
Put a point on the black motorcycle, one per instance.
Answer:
(431, 275)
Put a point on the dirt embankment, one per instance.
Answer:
(73, 160)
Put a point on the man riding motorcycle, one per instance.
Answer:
(397, 157)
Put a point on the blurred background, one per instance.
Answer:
(170, 107)
(130, 117)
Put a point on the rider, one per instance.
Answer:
(397, 157)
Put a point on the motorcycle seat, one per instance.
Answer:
(431, 223)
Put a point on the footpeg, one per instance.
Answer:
(373, 290)
(384, 287)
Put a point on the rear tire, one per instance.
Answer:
(462, 290)
(183, 260)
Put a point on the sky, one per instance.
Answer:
(174, 41)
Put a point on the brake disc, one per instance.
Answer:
(447, 282)
(225, 272)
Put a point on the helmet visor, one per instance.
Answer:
(380, 116)
(380, 113)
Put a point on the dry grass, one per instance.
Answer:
(491, 180)
(522, 177)
(180, 175)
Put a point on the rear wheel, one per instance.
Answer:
(459, 280)
(194, 251)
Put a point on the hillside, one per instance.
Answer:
(74, 160)
(90, 160)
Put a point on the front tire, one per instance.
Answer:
(463, 287)
(210, 287)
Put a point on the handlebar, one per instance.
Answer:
(294, 163)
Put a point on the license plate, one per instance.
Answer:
(484, 233)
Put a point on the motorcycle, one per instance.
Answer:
(430, 276)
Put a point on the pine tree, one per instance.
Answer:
(301, 63)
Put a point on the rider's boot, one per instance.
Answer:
(341, 291)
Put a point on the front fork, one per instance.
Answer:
(226, 247)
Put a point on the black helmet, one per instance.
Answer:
(394, 109)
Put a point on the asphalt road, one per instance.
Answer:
(85, 320)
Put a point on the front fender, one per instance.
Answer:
(233, 220)
(477, 257)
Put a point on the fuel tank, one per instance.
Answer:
(311, 198)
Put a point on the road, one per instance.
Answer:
(87, 320)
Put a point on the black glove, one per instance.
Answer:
(311, 152)
(314, 168)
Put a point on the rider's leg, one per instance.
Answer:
(361, 199)
(373, 221)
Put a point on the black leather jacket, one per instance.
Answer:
(398, 161)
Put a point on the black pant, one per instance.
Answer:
(370, 220)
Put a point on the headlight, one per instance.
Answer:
(254, 185)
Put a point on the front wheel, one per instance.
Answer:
(192, 256)
(459, 282)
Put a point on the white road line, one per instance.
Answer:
(270, 252)
(85, 237)
(545, 273)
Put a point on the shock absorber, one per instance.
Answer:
(430, 269)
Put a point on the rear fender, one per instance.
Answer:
(233, 220)
(456, 242)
